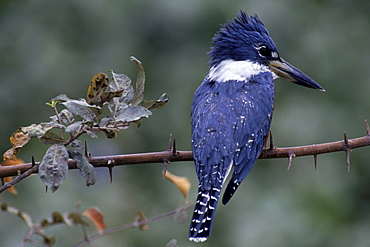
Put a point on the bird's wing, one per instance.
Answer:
(254, 113)
(254, 117)
(212, 135)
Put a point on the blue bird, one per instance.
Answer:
(232, 111)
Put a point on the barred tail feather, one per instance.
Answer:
(204, 211)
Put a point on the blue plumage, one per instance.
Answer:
(232, 111)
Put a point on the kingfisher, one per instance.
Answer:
(232, 111)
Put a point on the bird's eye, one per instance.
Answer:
(264, 51)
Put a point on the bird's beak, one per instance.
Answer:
(286, 71)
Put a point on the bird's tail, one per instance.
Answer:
(204, 211)
(230, 190)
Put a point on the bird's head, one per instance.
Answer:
(246, 39)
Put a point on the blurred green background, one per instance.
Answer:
(53, 47)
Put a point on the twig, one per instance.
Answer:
(33, 169)
(135, 224)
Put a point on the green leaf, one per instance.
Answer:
(159, 103)
(132, 114)
(79, 107)
(54, 167)
(89, 132)
(74, 218)
(111, 134)
(140, 82)
(105, 121)
(83, 109)
(51, 137)
(122, 82)
(12, 210)
(64, 116)
(86, 169)
(60, 97)
(49, 241)
(75, 127)
(76, 144)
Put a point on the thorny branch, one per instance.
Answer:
(173, 155)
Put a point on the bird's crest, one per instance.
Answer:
(241, 29)
(249, 22)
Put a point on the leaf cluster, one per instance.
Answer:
(84, 116)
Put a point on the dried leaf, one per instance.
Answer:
(97, 217)
(9, 179)
(54, 167)
(182, 183)
(99, 85)
(18, 140)
(39, 130)
(159, 103)
(140, 218)
(140, 82)
(86, 169)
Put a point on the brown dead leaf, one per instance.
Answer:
(9, 179)
(18, 140)
(141, 217)
(182, 183)
(97, 217)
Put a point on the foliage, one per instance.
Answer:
(84, 116)
(96, 216)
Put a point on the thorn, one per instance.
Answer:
(2, 181)
(345, 138)
(271, 141)
(170, 143)
(367, 128)
(290, 158)
(315, 160)
(165, 163)
(46, 189)
(174, 148)
(86, 151)
(110, 169)
(33, 161)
